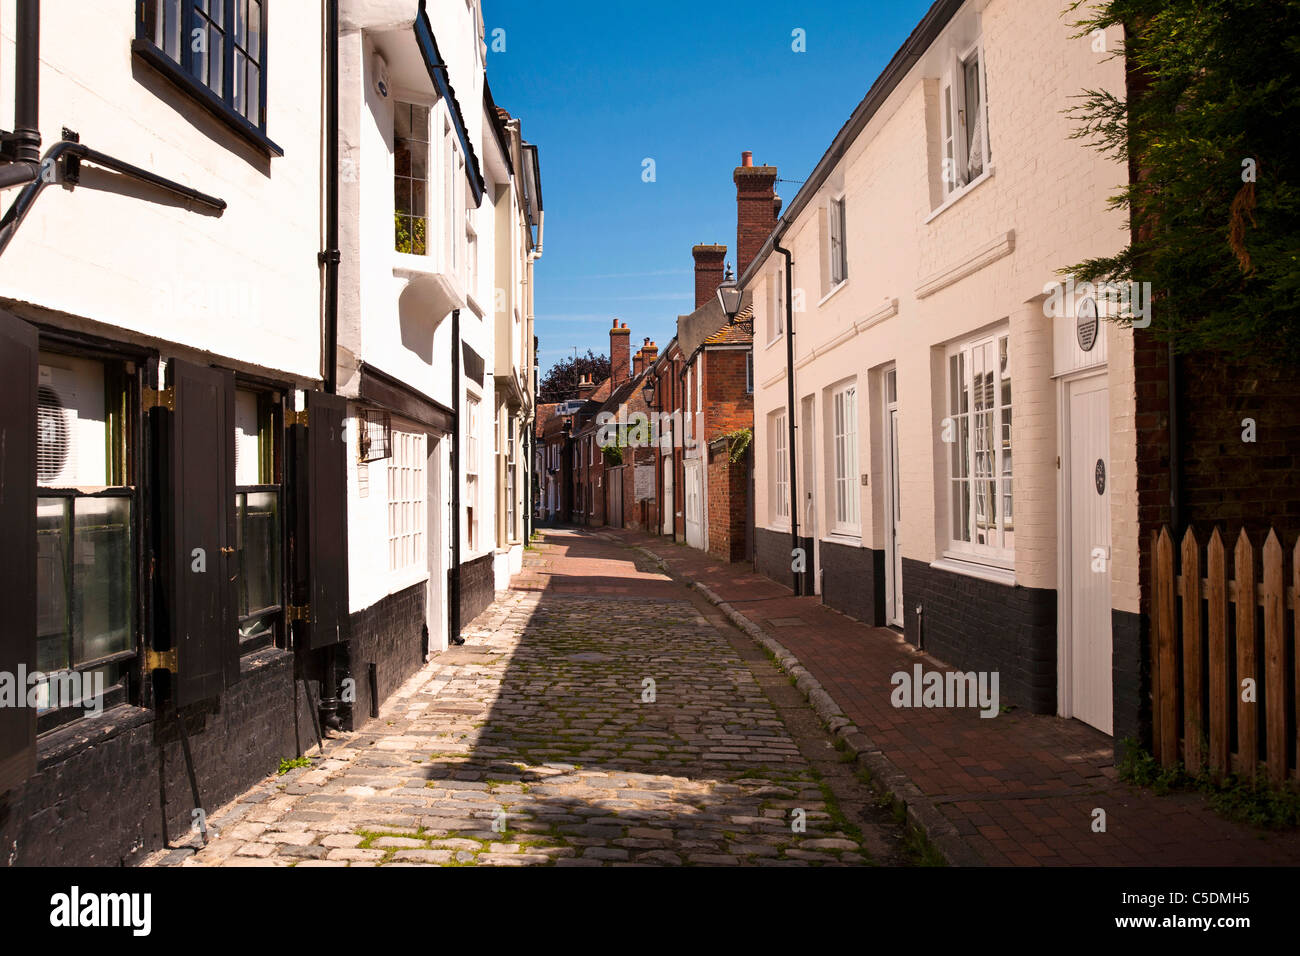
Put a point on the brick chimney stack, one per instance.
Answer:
(649, 353)
(756, 208)
(620, 346)
(585, 387)
(708, 271)
(638, 363)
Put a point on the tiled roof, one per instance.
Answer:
(739, 332)
(545, 413)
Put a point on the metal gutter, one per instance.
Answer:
(39, 175)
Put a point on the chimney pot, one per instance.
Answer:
(747, 158)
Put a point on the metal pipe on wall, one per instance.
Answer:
(789, 384)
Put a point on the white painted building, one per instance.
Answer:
(922, 245)
(436, 258)
(227, 521)
(160, 310)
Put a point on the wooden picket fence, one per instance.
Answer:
(1202, 654)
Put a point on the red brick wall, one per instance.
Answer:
(755, 211)
(728, 503)
(727, 406)
(620, 354)
(709, 274)
(1225, 481)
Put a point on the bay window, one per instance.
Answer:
(979, 425)
(411, 178)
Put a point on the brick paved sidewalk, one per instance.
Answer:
(1020, 789)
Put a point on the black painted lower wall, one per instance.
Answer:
(1130, 679)
(853, 581)
(389, 635)
(95, 798)
(772, 557)
(979, 625)
(477, 587)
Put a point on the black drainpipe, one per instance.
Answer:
(454, 596)
(330, 257)
(27, 83)
(790, 412)
(329, 702)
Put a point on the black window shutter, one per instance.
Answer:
(320, 546)
(18, 378)
(196, 494)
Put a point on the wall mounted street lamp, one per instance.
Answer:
(729, 296)
(648, 392)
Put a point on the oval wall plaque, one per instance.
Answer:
(1086, 323)
(1101, 477)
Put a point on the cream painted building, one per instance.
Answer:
(519, 218)
(933, 397)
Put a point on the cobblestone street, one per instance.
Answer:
(598, 714)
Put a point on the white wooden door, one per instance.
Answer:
(1087, 484)
(894, 557)
(667, 518)
(694, 505)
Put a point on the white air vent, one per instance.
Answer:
(53, 435)
(71, 433)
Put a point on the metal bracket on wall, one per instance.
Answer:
(155, 398)
(161, 660)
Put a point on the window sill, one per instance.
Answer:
(957, 196)
(771, 342)
(974, 569)
(405, 578)
(213, 104)
(830, 295)
(848, 538)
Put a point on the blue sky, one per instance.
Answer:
(602, 86)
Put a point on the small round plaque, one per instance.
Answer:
(1086, 323)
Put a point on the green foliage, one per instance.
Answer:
(1216, 207)
(1242, 801)
(738, 442)
(613, 454)
(409, 239)
(287, 764)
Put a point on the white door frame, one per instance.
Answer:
(1064, 534)
(893, 487)
(435, 601)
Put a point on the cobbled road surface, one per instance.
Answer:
(598, 714)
